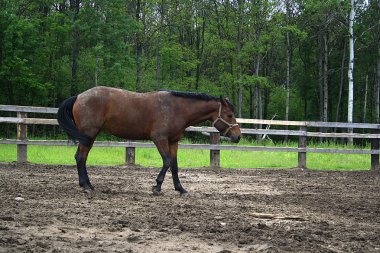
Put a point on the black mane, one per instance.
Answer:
(196, 95)
(192, 95)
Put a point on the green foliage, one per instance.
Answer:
(261, 81)
(276, 107)
(193, 45)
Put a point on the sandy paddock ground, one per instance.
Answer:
(42, 209)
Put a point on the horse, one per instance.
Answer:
(160, 116)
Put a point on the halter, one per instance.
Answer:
(219, 118)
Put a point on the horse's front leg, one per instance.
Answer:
(161, 176)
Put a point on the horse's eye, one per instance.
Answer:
(230, 116)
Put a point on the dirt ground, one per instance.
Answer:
(42, 209)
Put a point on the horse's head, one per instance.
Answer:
(225, 121)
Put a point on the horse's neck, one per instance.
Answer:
(200, 111)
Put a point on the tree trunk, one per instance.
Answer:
(351, 70)
(288, 63)
(343, 63)
(320, 76)
(139, 48)
(287, 76)
(96, 68)
(74, 8)
(288, 66)
(251, 114)
(325, 78)
(160, 38)
(365, 99)
(377, 93)
(240, 91)
(258, 110)
(200, 46)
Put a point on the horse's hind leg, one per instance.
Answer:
(81, 158)
(163, 148)
(174, 169)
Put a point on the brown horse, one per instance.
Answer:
(158, 116)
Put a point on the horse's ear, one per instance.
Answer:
(223, 101)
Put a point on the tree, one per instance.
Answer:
(351, 68)
(74, 11)
(272, 57)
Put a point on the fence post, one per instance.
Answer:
(22, 134)
(375, 157)
(302, 143)
(214, 154)
(130, 156)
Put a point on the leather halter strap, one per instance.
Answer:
(219, 118)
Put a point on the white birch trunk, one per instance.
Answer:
(320, 76)
(325, 78)
(240, 91)
(287, 77)
(351, 70)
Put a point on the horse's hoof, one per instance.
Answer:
(88, 189)
(184, 194)
(156, 191)
(182, 191)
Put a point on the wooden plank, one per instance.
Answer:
(273, 132)
(71, 143)
(289, 132)
(342, 125)
(18, 108)
(201, 129)
(240, 148)
(36, 121)
(344, 135)
(342, 151)
(270, 122)
(11, 120)
(308, 123)
(40, 121)
(194, 146)
(249, 131)
(52, 110)
(28, 121)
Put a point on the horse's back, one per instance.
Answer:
(122, 113)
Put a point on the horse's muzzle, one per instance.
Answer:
(235, 138)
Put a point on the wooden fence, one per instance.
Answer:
(303, 134)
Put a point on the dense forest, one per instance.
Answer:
(288, 59)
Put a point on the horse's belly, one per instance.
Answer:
(127, 131)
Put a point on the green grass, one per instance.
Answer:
(193, 158)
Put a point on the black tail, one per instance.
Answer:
(66, 122)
